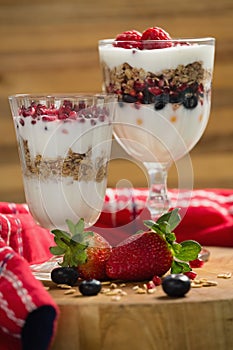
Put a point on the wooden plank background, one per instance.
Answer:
(51, 46)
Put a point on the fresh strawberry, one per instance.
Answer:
(155, 33)
(98, 252)
(153, 252)
(139, 258)
(128, 40)
(85, 250)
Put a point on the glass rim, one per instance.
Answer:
(201, 40)
(83, 95)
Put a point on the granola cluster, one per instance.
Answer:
(184, 84)
(79, 166)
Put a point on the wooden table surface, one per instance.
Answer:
(201, 320)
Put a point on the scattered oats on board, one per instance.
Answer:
(70, 291)
(225, 275)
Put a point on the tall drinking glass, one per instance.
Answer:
(64, 145)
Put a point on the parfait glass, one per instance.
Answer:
(64, 144)
(164, 97)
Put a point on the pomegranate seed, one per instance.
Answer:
(132, 93)
(161, 83)
(21, 121)
(196, 263)
(48, 118)
(155, 90)
(73, 115)
(138, 86)
(140, 95)
(102, 118)
(63, 116)
(156, 280)
(191, 274)
(150, 285)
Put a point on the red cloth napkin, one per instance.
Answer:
(19, 230)
(207, 215)
(28, 314)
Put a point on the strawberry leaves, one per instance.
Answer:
(182, 252)
(72, 245)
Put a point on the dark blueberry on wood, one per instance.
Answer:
(64, 275)
(176, 285)
(90, 287)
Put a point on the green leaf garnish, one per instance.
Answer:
(180, 267)
(72, 245)
(189, 250)
(172, 217)
(182, 252)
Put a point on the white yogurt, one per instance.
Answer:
(53, 200)
(157, 60)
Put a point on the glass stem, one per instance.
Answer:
(158, 201)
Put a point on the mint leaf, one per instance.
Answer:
(172, 217)
(189, 250)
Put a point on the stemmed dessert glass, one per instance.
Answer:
(164, 97)
(64, 144)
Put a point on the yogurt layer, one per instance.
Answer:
(158, 59)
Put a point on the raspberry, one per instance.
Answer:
(156, 33)
(129, 39)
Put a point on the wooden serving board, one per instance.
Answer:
(203, 319)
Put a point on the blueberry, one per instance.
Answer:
(175, 97)
(129, 98)
(190, 102)
(147, 97)
(176, 285)
(64, 275)
(161, 101)
(190, 98)
(90, 287)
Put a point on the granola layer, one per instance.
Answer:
(78, 166)
(184, 84)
